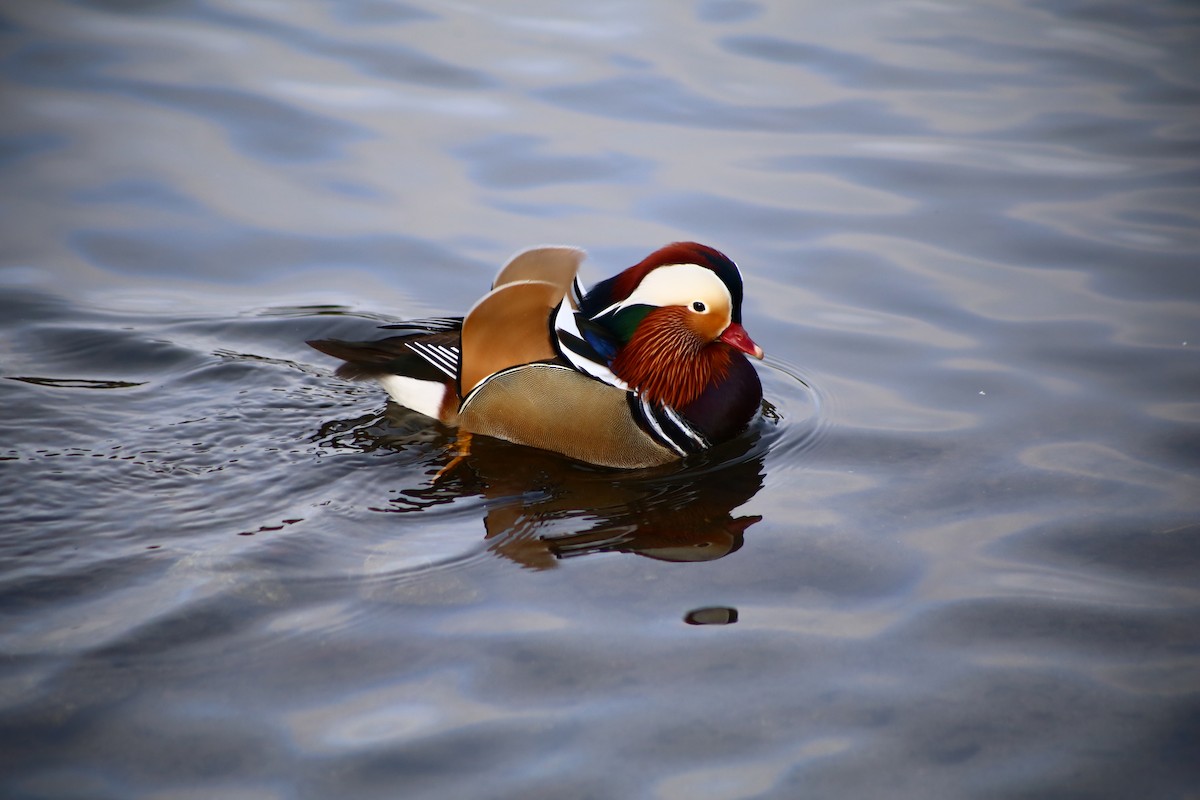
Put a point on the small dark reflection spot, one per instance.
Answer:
(713, 615)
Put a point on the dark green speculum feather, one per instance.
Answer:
(624, 322)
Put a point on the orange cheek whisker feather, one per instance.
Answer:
(667, 363)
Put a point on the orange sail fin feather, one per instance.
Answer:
(507, 328)
(646, 368)
(556, 265)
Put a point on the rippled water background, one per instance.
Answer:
(960, 558)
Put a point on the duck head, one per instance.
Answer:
(670, 326)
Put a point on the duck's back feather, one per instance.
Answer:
(426, 356)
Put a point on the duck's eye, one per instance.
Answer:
(699, 307)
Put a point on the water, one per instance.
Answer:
(959, 558)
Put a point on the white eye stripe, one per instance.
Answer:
(678, 284)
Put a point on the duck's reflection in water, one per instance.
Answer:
(542, 508)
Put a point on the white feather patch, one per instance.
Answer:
(424, 397)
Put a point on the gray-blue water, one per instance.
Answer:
(959, 558)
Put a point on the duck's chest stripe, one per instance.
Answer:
(667, 426)
(575, 349)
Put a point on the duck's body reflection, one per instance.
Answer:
(542, 508)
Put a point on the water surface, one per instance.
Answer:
(958, 557)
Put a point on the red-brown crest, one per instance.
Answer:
(675, 253)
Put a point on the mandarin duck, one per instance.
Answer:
(647, 367)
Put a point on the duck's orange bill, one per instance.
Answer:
(735, 336)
